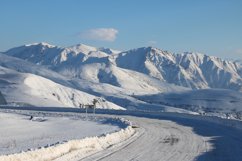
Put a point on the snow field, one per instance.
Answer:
(80, 147)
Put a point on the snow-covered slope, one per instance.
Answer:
(131, 81)
(23, 66)
(29, 89)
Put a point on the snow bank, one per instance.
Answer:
(82, 148)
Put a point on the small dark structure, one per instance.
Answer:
(90, 106)
(2, 99)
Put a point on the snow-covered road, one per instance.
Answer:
(170, 137)
(176, 139)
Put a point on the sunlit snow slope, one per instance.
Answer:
(29, 89)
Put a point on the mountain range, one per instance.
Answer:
(121, 77)
(192, 70)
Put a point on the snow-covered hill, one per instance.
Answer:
(28, 89)
(23, 66)
(193, 70)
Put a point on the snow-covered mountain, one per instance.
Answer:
(187, 69)
(141, 78)
(120, 95)
(192, 70)
(46, 54)
(89, 63)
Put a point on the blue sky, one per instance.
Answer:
(213, 27)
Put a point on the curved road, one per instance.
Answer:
(170, 137)
(176, 139)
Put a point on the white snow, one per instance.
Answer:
(42, 44)
(121, 78)
(95, 80)
(187, 69)
(190, 70)
(53, 130)
(147, 81)
(169, 136)
(89, 72)
(32, 90)
(193, 70)
(159, 136)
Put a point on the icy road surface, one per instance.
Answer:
(175, 138)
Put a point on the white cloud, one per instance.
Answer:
(101, 34)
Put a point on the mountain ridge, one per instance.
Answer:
(188, 69)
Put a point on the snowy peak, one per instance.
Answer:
(50, 55)
(109, 51)
(81, 48)
(192, 70)
(41, 44)
(38, 53)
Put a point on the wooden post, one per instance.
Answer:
(86, 111)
